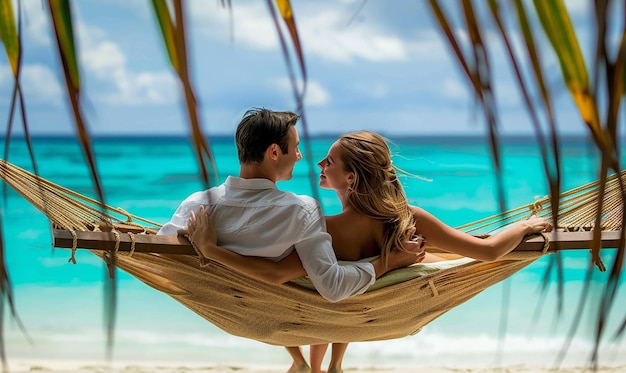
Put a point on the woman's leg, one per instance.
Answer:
(316, 356)
(299, 364)
(338, 350)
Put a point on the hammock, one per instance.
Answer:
(398, 304)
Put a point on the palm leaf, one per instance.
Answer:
(550, 156)
(559, 31)
(284, 6)
(614, 71)
(12, 43)
(12, 46)
(286, 12)
(167, 30)
(8, 34)
(478, 71)
(175, 42)
(61, 15)
(553, 174)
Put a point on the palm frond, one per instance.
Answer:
(557, 28)
(559, 31)
(550, 154)
(176, 45)
(10, 36)
(299, 93)
(61, 16)
(614, 71)
(477, 69)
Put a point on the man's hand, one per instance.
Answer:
(412, 252)
(415, 247)
(201, 231)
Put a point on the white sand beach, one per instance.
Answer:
(25, 365)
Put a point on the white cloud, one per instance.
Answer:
(40, 85)
(325, 34)
(251, 23)
(323, 31)
(315, 96)
(36, 25)
(107, 62)
(454, 89)
(429, 45)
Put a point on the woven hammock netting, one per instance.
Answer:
(291, 314)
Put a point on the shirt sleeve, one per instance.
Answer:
(333, 281)
(181, 216)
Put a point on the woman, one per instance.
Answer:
(376, 218)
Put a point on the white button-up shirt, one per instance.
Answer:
(252, 217)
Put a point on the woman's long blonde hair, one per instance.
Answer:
(376, 191)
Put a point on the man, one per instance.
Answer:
(253, 218)
(252, 221)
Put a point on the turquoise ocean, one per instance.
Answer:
(62, 305)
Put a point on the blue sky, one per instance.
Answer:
(376, 65)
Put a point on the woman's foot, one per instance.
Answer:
(303, 368)
(335, 370)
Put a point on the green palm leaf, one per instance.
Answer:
(61, 15)
(167, 30)
(286, 12)
(550, 155)
(560, 32)
(8, 34)
(175, 42)
(478, 71)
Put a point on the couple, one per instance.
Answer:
(252, 221)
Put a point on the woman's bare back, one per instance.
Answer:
(355, 236)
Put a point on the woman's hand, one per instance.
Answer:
(536, 225)
(201, 231)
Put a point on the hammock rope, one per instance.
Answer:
(398, 304)
(72, 211)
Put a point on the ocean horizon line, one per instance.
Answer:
(450, 138)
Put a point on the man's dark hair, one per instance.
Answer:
(260, 128)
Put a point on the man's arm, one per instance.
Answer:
(290, 267)
(316, 259)
(204, 239)
(181, 215)
(261, 269)
(336, 282)
(413, 253)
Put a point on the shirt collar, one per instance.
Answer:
(240, 183)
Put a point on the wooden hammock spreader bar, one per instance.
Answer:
(180, 245)
(142, 243)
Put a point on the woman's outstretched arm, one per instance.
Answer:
(455, 241)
